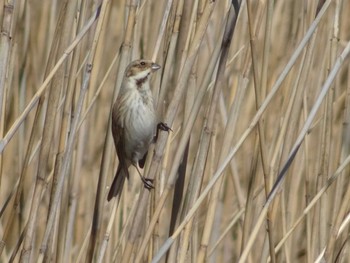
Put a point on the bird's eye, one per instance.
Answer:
(142, 63)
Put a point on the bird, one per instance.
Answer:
(134, 122)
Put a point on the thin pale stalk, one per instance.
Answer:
(126, 227)
(184, 138)
(6, 139)
(243, 83)
(307, 185)
(345, 133)
(64, 134)
(162, 30)
(169, 63)
(260, 90)
(92, 102)
(108, 232)
(107, 150)
(72, 136)
(44, 159)
(169, 118)
(8, 20)
(179, 194)
(184, 16)
(58, 83)
(298, 141)
(343, 209)
(314, 201)
(239, 98)
(228, 135)
(244, 136)
(234, 220)
(83, 247)
(33, 35)
(262, 140)
(295, 101)
(343, 227)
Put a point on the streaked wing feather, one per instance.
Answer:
(119, 142)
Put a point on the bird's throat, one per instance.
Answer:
(141, 82)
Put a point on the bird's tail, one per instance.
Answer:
(118, 183)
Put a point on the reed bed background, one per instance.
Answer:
(255, 169)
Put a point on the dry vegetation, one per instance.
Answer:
(268, 104)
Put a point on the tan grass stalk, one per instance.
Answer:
(232, 152)
(58, 85)
(186, 133)
(330, 252)
(44, 159)
(6, 139)
(117, 250)
(344, 150)
(7, 26)
(180, 185)
(83, 247)
(195, 181)
(73, 130)
(108, 232)
(253, 169)
(291, 118)
(72, 200)
(280, 56)
(169, 118)
(307, 187)
(100, 198)
(162, 30)
(234, 220)
(209, 126)
(298, 142)
(314, 201)
(169, 63)
(260, 91)
(343, 226)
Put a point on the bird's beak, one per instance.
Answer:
(155, 66)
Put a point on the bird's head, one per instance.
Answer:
(140, 70)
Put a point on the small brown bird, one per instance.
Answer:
(134, 122)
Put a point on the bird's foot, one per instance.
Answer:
(163, 127)
(147, 183)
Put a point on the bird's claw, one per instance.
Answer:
(164, 127)
(147, 183)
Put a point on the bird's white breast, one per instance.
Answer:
(139, 123)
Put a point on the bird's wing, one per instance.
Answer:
(119, 142)
(117, 131)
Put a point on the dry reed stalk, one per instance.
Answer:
(67, 111)
(209, 126)
(314, 201)
(10, 133)
(195, 181)
(44, 158)
(7, 26)
(270, 84)
(67, 156)
(301, 136)
(260, 91)
(243, 137)
(125, 52)
(169, 118)
(51, 75)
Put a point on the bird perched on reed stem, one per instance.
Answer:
(134, 122)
